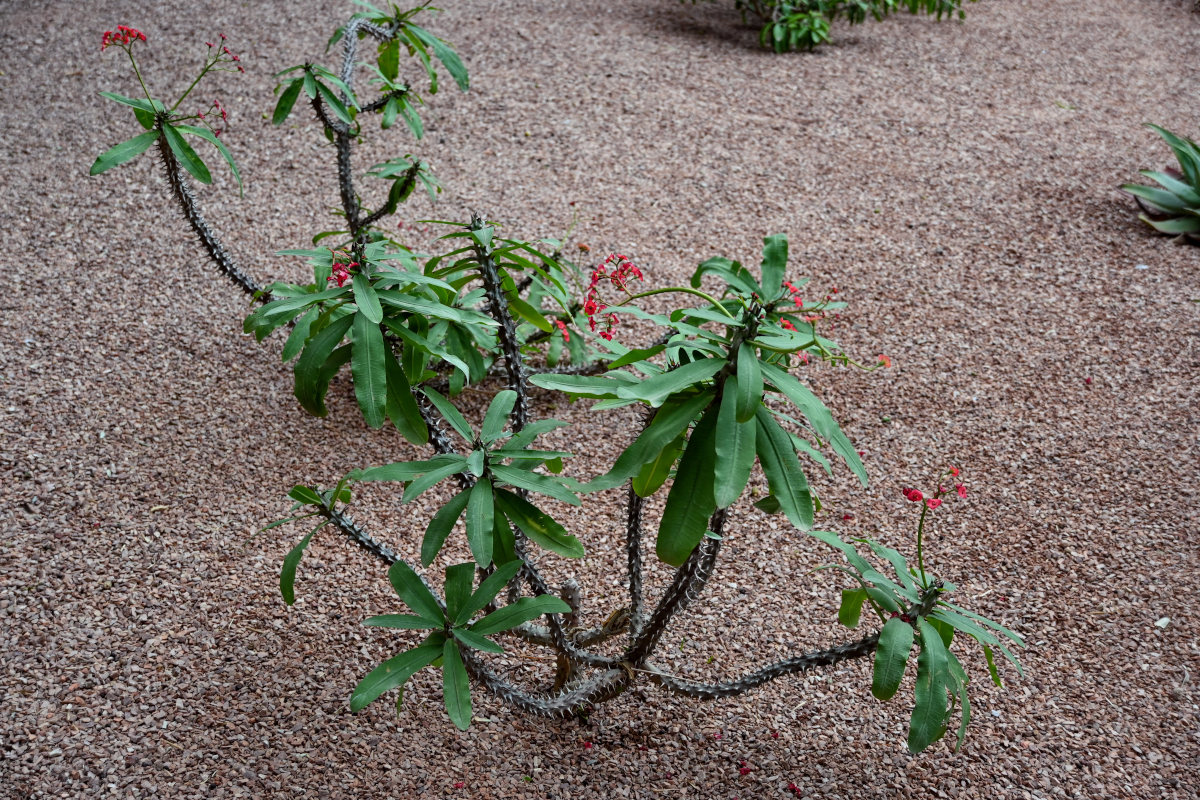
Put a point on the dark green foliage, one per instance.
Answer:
(1175, 208)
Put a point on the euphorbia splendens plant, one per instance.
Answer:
(715, 394)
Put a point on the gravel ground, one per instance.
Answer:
(956, 182)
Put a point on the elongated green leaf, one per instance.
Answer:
(534, 482)
(446, 55)
(287, 305)
(850, 611)
(944, 606)
(818, 416)
(451, 414)
(497, 415)
(734, 456)
(389, 59)
(138, 103)
(966, 713)
(530, 314)
(657, 389)
(690, 501)
(774, 264)
(634, 356)
(733, 273)
(286, 101)
(480, 522)
(945, 630)
(472, 639)
(424, 483)
(211, 138)
(366, 300)
(401, 407)
(895, 559)
(670, 421)
(538, 525)
(524, 610)
(310, 370)
(582, 385)
(895, 643)
(310, 85)
(334, 102)
(440, 526)
(306, 495)
(287, 576)
(654, 473)
(408, 470)
(401, 621)
(1173, 226)
(299, 335)
(1186, 193)
(928, 722)
(368, 365)
(785, 478)
(749, 382)
(488, 589)
(396, 671)
(415, 594)
(1161, 199)
(991, 665)
(459, 580)
(130, 148)
(186, 155)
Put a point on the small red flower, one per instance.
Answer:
(962, 490)
(787, 324)
(743, 769)
(459, 784)
(587, 745)
(913, 495)
(562, 326)
(584, 248)
(884, 360)
(954, 470)
(933, 502)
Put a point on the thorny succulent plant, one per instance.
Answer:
(715, 394)
(1175, 208)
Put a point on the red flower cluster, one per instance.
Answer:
(341, 270)
(787, 324)
(562, 326)
(123, 36)
(214, 109)
(795, 292)
(617, 270)
(915, 496)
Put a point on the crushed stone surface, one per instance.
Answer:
(956, 182)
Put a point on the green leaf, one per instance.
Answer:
(472, 639)
(480, 522)
(409, 470)
(928, 722)
(991, 665)
(850, 612)
(389, 59)
(582, 385)
(657, 389)
(441, 525)
(817, 415)
(186, 155)
(497, 415)
(785, 478)
(211, 138)
(1186, 193)
(451, 414)
(430, 479)
(487, 591)
(286, 101)
(310, 85)
(287, 576)
(400, 621)
(634, 356)
(945, 630)
(749, 382)
(312, 379)
(774, 264)
(534, 482)
(1163, 200)
(126, 150)
(306, 495)
(335, 103)
(524, 610)
(966, 713)
(538, 525)
(654, 473)
(396, 671)
(895, 643)
(445, 54)
(690, 501)
(299, 335)
(670, 421)
(415, 594)
(734, 456)
(459, 581)
(1173, 226)
(368, 365)
(530, 314)
(401, 408)
(366, 299)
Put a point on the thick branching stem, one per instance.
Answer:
(510, 345)
(186, 199)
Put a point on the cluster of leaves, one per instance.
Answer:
(1174, 208)
(941, 682)
(803, 24)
